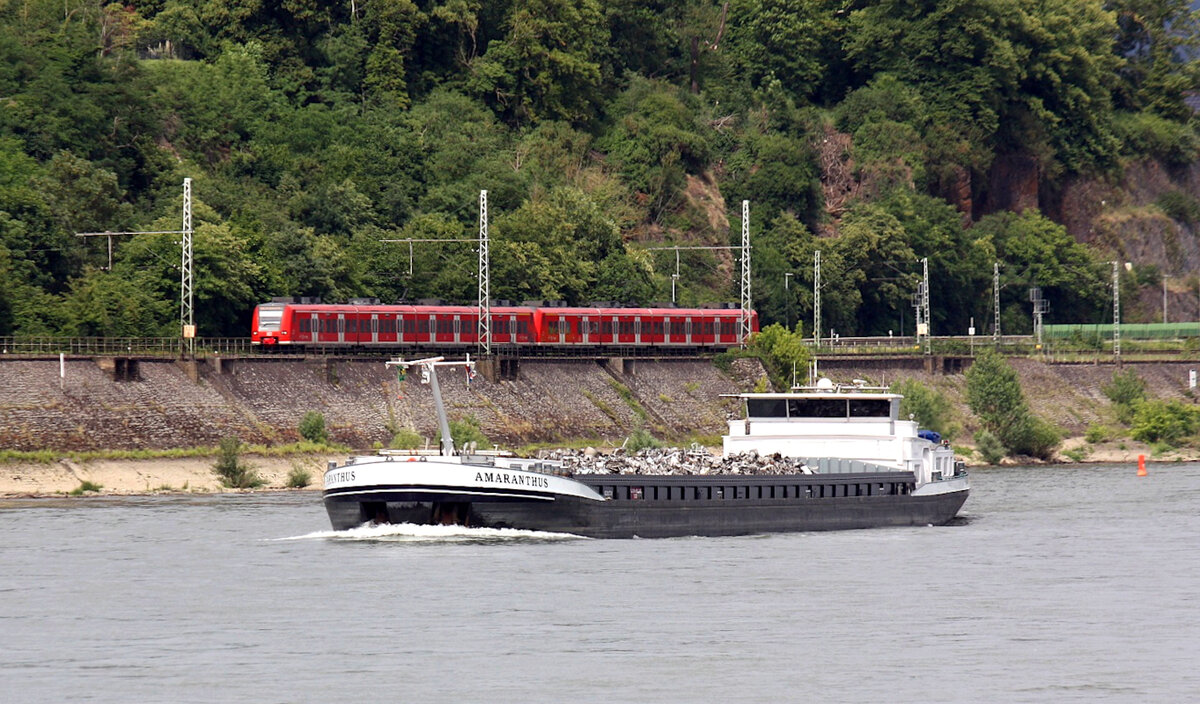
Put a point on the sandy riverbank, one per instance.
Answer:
(192, 475)
(195, 475)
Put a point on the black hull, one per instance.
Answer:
(788, 504)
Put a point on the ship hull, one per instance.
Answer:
(667, 506)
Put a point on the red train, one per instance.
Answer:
(514, 327)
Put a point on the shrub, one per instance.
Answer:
(299, 478)
(234, 473)
(641, 439)
(1169, 422)
(466, 431)
(312, 427)
(406, 439)
(1145, 133)
(989, 447)
(1180, 206)
(1096, 433)
(1126, 391)
(85, 487)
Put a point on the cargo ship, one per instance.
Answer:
(862, 466)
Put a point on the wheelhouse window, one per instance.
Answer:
(766, 408)
(817, 407)
(870, 408)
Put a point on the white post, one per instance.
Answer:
(817, 299)
(485, 305)
(62, 372)
(745, 336)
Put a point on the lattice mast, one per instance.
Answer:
(187, 318)
(485, 305)
(996, 302)
(1116, 284)
(746, 328)
(925, 305)
(817, 299)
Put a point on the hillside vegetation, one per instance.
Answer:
(879, 132)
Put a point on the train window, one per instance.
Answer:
(269, 317)
(303, 325)
(523, 326)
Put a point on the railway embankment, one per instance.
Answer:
(163, 404)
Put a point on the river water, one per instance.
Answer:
(1057, 584)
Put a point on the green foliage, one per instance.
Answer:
(1147, 134)
(1126, 391)
(656, 142)
(466, 431)
(928, 407)
(1180, 206)
(314, 130)
(1169, 422)
(312, 427)
(1036, 250)
(406, 439)
(989, 447)
(641, 439)
(231, 470)
(1097, 433)
(298, 478)
(85, 487)
(994, 394)
(781, 351)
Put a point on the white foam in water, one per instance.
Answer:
(411, 532)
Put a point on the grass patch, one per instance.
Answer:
(627, 396)
(85, 487)
(600, 404)
(52, 456)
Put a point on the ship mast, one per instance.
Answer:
(428, 368)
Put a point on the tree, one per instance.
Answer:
(655, 142)
(1023, 75)
(1158, 40)
(544, 68)
(1036, 251)
(928, 407)
(779, 41)
(994, 395)
(782, 352)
